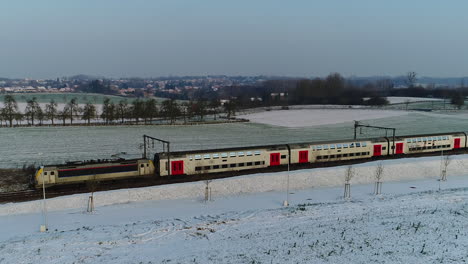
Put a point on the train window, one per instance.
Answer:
(364, 153)
(249, 153)
(338, 145)
(257, 163)
(224, 155)
(257, 153)
(52, 173)
(142, 165)
(439, 138)
(345, 145)
(351, 145)
(345, 155)
(206, 156)
(46, 173)
(232, 154)
(249, 163)
(319, 147)
(351, 154)
(332, 146)
(413, 140)
(358, 154)
(408, 140)
(338, 156)
(215, 167)
(384, 148)
(241, 164)
(364, 144)
(314, 148)
(197, 157)
(224, 166)
(419, 139)
(206, 167)
(283, 156)
(319, 157)
(332, 156)
(233, 165)
(325, 156)
(215, 156)
(325, 147)
(425, 139)
(197, 168)
(240, 154)
(190, 157)
(445, 137)
(358, 144)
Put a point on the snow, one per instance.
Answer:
(316, 117)
(398, 100)
(412, 222)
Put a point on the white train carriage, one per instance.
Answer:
(431, 142)
(348, 150)
(220, 160)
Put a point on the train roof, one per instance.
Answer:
(274, 146)
(92, 162)
(431, 135)
(303, 144)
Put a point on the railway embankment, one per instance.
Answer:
(394, 170)
(12, 180)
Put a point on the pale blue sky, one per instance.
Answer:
(151, 38)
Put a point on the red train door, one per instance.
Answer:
(303, 156)
(377, 150)
(456, 143)
(274, 159)
(399, 148)
(177, 167)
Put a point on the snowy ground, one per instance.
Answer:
(412, 222)
(316, 117)
(397, 100)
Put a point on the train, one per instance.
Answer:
(238, 159)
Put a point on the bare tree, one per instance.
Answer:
(92, 185)
(378, 179)
(445, 163)
(208, 196)
(407, 102)
(73, 109)
(349, 174)
(10, 109)
(411, 79)
(51, 111)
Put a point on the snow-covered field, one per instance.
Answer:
(397, 100)
(316, 117)
(411, 222)
(49, 145)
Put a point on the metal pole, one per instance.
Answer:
(287, 187)
(355, 127)
(168, 159)
(144, 146)
(286, 202)
(44, 208)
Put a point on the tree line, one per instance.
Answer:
(137, 111)
(335, 89)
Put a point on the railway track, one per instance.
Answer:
(29, 195)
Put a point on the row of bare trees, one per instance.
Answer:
(137, 110)
(379, 173)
